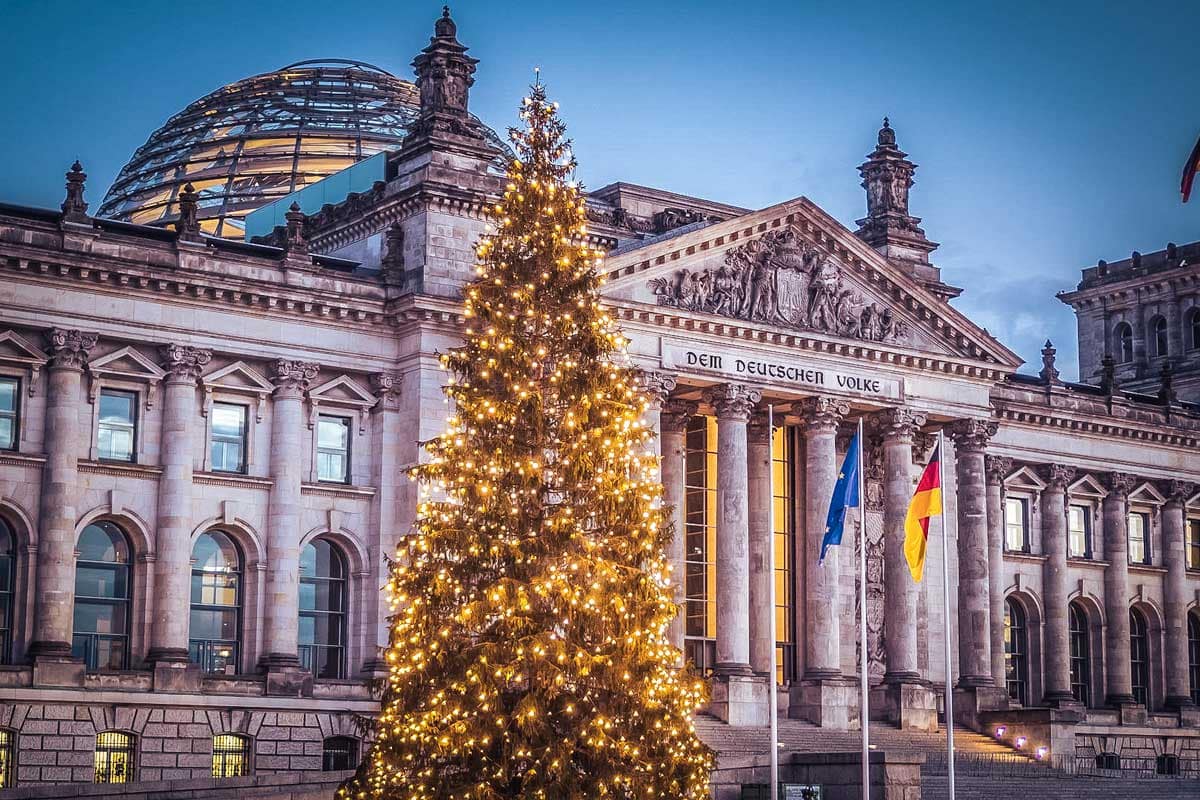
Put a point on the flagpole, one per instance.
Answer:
(864, 678)
(941, 450)
(772, 689)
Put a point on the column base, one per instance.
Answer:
(1178, 701)
(50, 648)
(740, 700)
(177, 676)
(284, 676)
(58, 671)
(1065, 702)
(829, 702)
(1132, 713)
(174, 655)
(1189, 716)
(909, 705)
(972, 702)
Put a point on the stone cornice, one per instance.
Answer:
(1113, 293)
(232, 480)
(336, 490)
(1106, 426)
(21, 459)
(120, 470)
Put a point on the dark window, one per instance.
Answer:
(1079, 531)
(1167, 764)
(333, 449)
(1158, 336)
(1124, 343)
(102, 594)
(214, 631)
(115, 757)
(1108, 761)
(700, 542)
(1016, 524)
(227, 451)
(10, 408)
(231, 756)
(1139, 657)
(1193, 544)
(339, 753)
(1016, 651)
(8, 759)
(1081, 668)
(323, 610)
(1139, 538)
(8, 574)
(1193, 630)
(118, 425)
(1195, 329)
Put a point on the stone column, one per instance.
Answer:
(762, 615)
(385, 528)
(288, 429)
(998, 468)
(172, 538)
(974, 598)
(1119, 684)
(55, 596)
(673, 421)
(1175, 593)
(1056, 640)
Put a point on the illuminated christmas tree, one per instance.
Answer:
(528, 654)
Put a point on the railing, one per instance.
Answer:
(92, 647)
(213, 655)
(1017, 765)
(323, 660)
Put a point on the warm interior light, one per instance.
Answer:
(1020, 742)
(1000, 731)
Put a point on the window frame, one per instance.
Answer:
(347, 424)
(238, 608)
(1025, 504)
(8, 618)
(1123, 333)
(1016, 659)
(15, 414)
(222, 757)
(1079, 650)
(1158, 335)
(1087, 511)
(1192, 328)
(1147, 552)
(699, 521)
(125, 603)
(135, 437)
(1193, 646)
(8, 758)
(128, 748)
(351, 753)
(244, 440)
(1191, 543)
(1139, 657)
(343, 645)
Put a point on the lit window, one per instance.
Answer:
(333, 449)
(8, 572)
(114, 757)
(1124, 343)
(10, 395)
(102, 594)
(228, 447)
(1193, 544)
(214, 634)
(8, 759)
(1193, 631)
(699, 515)
(1016, 524)
(1139, 538)
(1016, 650)
(339, 753)
(1079, 531)
(1139, 657)
(1081, 668)
(1158, 336)
(323, 610)
(118, 425)
(231, 756)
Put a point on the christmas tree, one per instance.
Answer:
(528, 654)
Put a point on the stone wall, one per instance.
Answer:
(281, 786)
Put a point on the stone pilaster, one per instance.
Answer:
(1055, 589)
(1119, 685)
(1175, 593)
(388, 476)
(673, 421)
(658, 387)
(55, 595)
(762, 615)
(172, 573)
(291, 379)
(998, 468)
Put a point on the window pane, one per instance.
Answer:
(8, 394)
(332, 433)
(8, 432)
(228, 420)
(8, 413)
(116, 407)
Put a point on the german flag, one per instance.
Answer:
(926, 503)
(1189, 172)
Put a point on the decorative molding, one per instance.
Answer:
(898, 423)
(120, 470)
(69, 349)
(232, 480)
(1120, 484)
(658, 385)
(184, 362)
(822, 412)
(137, 367)
(1177, 491)
(676, 413)
(1057, 476)
(236, 378)
(334, 490)
(972, 434)
(344, 392)
(291, 377)
(386, 387)
(733, 400)
(25, 356)
(997, 468)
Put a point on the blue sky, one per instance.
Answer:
(1048, 135)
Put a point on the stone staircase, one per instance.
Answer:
(1057, 786)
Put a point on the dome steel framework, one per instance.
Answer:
(262, 138)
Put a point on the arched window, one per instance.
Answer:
(1081, 673)
(1139, 657)
(8, 759)
(339, 753)
(1194, 329)
(1194, 655)
(1158, 336)
(115, 757)
(102, 594)
(215, 628)
(231, 755)
(8, 573)
(323, 610)
(1124, 337)
(1016, 651)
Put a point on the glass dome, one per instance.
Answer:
(262, 138)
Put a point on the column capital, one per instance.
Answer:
(822, 412)
(676, 413)
(184, 362)
(897, 423)
(1120, 484)
(658, 385)
(1057, 476)
(386, 387)
(733, 400)
(291, 378)
(69, 349)
(1177, 491)
(757, 430)
(972, 434)
(997, 468)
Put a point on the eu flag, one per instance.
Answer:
(845, 496)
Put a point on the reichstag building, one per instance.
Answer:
(212, 380)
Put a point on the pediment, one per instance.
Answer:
(127, 362)
(1147, 494)
(342, 390)
(1025, 478)
(1087, 486)
(793, 267)
(238, 376)
(16, 349)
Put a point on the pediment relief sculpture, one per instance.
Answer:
(782, 279)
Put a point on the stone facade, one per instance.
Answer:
(1066, 612)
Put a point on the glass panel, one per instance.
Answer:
(1015, 524)
(332, 433)
(1193, 544)
(322, 622)
(1138, 550)
(700, 533)
(231, 756)
(340, 753)
(1079, 528)
(117, 425)
(9, 392)
(114, 759)
(7, 753)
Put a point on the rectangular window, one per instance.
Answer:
(10, 397)
(1193, 544)
(333, 449)
(228, 447)
(1016, 525)
(1079, 532)
(1139, 538)
(118, 425)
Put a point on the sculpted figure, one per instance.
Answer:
(824, 291)
(726, 289)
